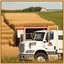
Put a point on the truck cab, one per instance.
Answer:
(45, 42)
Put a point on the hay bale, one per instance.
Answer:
(5, 28)
(52, 27)
(4, 41)
(7, 32)
(11, 43)
(34, 22)
(4, 24)
(7, 36)
(28, 23)
(19, 16)
(23, 18)
(2, 18)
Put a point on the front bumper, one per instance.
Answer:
(26, 56)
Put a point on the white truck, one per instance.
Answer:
(44, 43)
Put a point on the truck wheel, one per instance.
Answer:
(41, 57)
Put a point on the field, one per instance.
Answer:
(56, 17)
(10, 53)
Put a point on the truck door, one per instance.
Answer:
(49, 45)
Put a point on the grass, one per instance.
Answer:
(7, 59)
(55, 16)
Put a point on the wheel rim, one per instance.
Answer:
(40, 58)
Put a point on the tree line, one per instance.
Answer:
(30, 9)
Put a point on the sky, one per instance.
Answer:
(22, 5)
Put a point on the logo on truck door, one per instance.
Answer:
(50, 44)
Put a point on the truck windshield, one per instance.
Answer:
(39, 36)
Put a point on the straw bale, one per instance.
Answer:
(24, 19)
(19, 16)
(36, 21)
(4, 24)
(11, 42)
(24, 23)
(27, 19)
(7, 31)
(7, 36)
(52, 27)
(2, 18)
(4, 41)
(31, 24)
(5, 28)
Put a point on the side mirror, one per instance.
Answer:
(21, 38)
(29, 45)
(48, 37)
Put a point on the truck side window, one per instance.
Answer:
(52, 35)
(60, 37)
(21, 38)
(49, 36)
(28, 36)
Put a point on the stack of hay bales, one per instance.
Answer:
(14, 20)
(6, 33)
(28, 19)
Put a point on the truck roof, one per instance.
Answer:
(41, 31)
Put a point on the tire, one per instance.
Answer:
(42, 57)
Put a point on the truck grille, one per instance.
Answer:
(21, 48)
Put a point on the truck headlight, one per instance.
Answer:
(30, 51)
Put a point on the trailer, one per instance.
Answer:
(44, 43)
